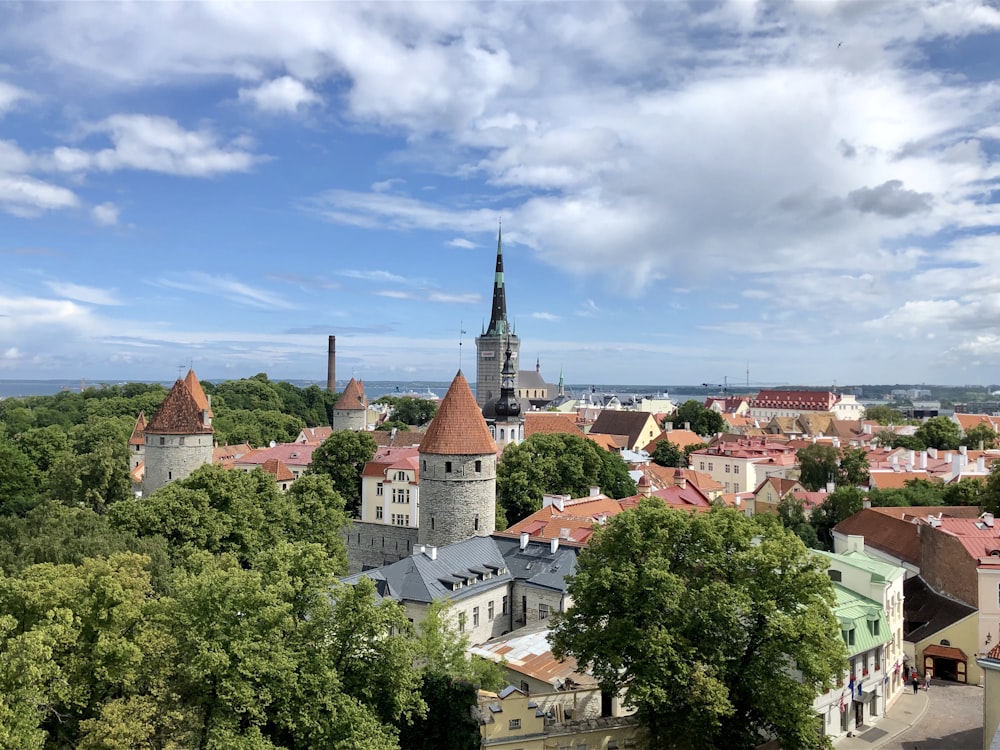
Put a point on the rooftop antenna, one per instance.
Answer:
(461, 332)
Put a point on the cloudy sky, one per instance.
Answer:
(810, 190)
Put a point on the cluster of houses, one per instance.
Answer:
(917, 589)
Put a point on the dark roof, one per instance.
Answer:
(536, 564)
(614, 422)
(925, 612)
(458, 428)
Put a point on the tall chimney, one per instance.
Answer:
(331, 365)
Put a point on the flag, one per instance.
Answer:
(843, 708)
(895, 670)
(860, 684)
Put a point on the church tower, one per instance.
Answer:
(179, 437)
(504, 418)
(458, 471)
(490, 345)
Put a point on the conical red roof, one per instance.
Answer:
(138, 436)
(353, 396)
(179, 414)
(194, 385)
(458, 428)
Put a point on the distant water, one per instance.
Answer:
(373, 388)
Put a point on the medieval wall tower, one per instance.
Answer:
(497, 336)
(458, 471)
(351, 410)
(179, 437)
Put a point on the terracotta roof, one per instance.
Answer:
(628, 423)
(895, 480)
(681, 438)
(613, 443)
(291, 454)
(994, 653)
(550, 422)
(227, 455)
(968, 421)
(314, 435)
(194, 385)
(139, 431)
(805, 400)
(458, 428)
(179, 414)
(353, 397)
(278, 469)
(887, 533)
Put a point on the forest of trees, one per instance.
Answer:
(209, 614)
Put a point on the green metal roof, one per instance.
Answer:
(881, 572)
(859, 613)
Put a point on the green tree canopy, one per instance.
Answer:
(885, 415)
(668, 454)
(983, 434)
(818, 464)
(939, 432)
(718, 627)
(704, 421)
(853, 468)
(839, 504)
(342, 457)
(557, 463)
(409, 409)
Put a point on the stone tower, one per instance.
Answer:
(351, 410)
(503, 416)
(179, 437)
(490, 345)
(458, 471)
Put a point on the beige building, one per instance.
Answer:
(390, 489)
(741, 465)
(990, 664)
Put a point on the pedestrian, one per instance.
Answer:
(927, 682)
(916, 683)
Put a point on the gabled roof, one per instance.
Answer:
(681, 438)
(139, 431)
(854, 612)
(227, 455)
(291, 454)
(179, 414)
(278, 470)
(353, 397)
(314, 435)
(614, 422)
(530, 654)
(458, 428)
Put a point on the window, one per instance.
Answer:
(525, 688)
(461, 622)
(476, 523)
(727, 468)
(514, 724)
(834, 575)
(378, 512)
(489, 610)
(878, 659)
(475, 617)
(180, 440)
(701, 465)
(850, 637)
(170, 475)
(736, 468)
(379, 488)
(400, 476)
(447, 467)
(874, 625)
(864, 664)
(163, 441)
(479, 466)
(432, 523)
(710, 467)
(543, 611)
(503, 606)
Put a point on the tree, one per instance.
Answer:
(342, 457)
(704, 421)
(884, 415)
(939, 432)
(557, 463)
(839, 504)
(668, 454)
(410, 410)
(718, 627)
(818, 464)
(18, 480)
(983, 434)
(991, 492)
(793, 517)
(853, 467)
(318, 516)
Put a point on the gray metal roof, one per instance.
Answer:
(537, 565)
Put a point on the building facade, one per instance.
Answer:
(493, 341)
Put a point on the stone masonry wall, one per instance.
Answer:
(458, 504)
(372, 545)
(174, 459)
(947, 566)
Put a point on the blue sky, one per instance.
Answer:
(810, 189)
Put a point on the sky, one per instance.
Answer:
(773, 192)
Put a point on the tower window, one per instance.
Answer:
(447, 467)
(163, 441)
(476, 523)
(432, 523)
(479, 466)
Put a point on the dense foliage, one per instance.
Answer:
(409, 409)
(207, 615)
(560, 464)
(717, 626)
(703, 421)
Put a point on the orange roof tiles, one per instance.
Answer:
(138, 436)
(458, 428)
(278, 470)
(353, 397)
(549, 422)
(194, 385)
(179, 414)
(680, 438)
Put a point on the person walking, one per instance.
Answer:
(916, 683)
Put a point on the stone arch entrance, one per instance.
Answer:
(946, 663)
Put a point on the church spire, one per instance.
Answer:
(498, 317)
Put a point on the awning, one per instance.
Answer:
(946, 652)
(865, 696)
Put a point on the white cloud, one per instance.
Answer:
(10, 95)
(545, 316)
(105, 214)
(155, 144)
(228, 287)
(284, 94)
(464, 299)
(88, 294)
(463, 243)
(382, 276)
(26, 196)
(386, 185)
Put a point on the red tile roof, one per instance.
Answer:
(179, 414)
(194, 385)
(291, 454)
(278, 470)
(550, 422)
(353, 397)
(805, 400)
(139, 431)
(458, 428)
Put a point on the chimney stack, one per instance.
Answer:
(331, 365)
